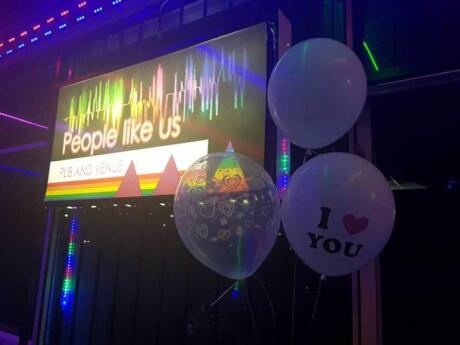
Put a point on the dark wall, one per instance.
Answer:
(419, 270)
(22, 212)
(137, 284)
(416, 141)
(21, 232)
(416, 135)
(407, 38)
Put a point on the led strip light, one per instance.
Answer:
(283, 145)
(45, 29)
(68, 284)
(283, 166)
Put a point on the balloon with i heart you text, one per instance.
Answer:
(228, 213)
(338, 213)
(316, 92)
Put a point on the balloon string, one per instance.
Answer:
(272, 309)
(293, 301)
(315, 304)
(251, 313)
(223, 294)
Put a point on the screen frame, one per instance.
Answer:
(270, 131)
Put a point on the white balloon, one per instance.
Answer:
(316, 92)
(338, 213)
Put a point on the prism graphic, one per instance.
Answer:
(169, 179)
(129, 185)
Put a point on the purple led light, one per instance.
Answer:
(25, 147)
(15, 118)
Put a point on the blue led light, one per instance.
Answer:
(9, 51)
(35, 39)
(97, 10)
(49, 32)
(22, 45)
(79, 19)
(62, 26)
(116, 2)
(18, 170)
(235, 294)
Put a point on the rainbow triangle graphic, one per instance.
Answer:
(230, 148)
(229, 177)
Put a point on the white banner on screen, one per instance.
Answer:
(146, 161)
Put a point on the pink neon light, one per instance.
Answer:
(11, 117)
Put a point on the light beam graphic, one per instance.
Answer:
(25, 147)
(27, 122)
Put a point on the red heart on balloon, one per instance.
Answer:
(355, 225)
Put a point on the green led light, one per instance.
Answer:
(371, 57)
(284, 163)
(238, 285)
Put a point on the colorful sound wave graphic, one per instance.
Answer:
(199, 91)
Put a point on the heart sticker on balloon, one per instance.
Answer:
(226, 207)
(355, 225)
(207, 210)
(202, 231)
(224, 234)
(266, 210)
(200, 180)
(232, 181)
